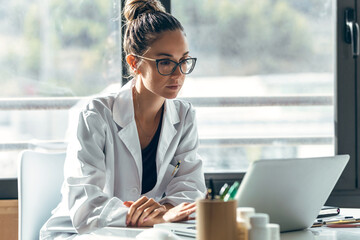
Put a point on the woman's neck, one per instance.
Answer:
(146, 104)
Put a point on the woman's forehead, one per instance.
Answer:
(169, 43)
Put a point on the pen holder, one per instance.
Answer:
(216, 219)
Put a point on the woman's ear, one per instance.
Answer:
(132, 61)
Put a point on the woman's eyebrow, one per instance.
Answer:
(169, 55)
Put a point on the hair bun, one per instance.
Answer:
(133, 8)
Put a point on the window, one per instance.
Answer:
(267, 67)
(263, 86)
(56, 52)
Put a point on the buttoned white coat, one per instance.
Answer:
(103, 167)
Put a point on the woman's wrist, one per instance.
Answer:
(160, 218)
(168, 206)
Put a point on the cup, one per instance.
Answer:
(216, 219)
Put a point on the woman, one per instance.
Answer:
(133, 160)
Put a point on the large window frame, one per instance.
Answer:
(346, 101)
(346, 192)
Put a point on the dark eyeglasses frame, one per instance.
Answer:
(176, 64)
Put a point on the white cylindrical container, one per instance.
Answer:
(274, 231)
(259, 227)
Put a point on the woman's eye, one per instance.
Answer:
(165, 62)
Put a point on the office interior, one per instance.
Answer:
(274, 79)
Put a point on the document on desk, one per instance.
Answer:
(351, 234)
(116, 233)
(184, 229)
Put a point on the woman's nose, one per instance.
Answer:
(177, 71)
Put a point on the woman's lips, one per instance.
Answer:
(173, 87)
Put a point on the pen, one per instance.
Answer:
(232, 191)
(342, 225)
(176, 167)
(208, 193)
(337, 222)
(224, 190)
(211, 183)
(342, 221)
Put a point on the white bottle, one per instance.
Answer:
(259, 227)
(274, 231)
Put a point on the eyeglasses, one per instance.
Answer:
(166, 66)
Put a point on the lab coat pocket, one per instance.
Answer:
(170, 172)
(168, 176)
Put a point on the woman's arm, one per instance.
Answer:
(89, 205)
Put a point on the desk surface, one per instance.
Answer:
(321, 233)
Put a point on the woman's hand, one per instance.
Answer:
(164, 213)
(142, 211)
(181, 212)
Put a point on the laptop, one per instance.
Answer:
(291, 191)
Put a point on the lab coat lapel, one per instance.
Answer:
(123, 115)
(168, 132)
(129, 136)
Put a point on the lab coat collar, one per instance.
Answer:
(168, 131)
(123, 115)
(170, 112)
(123, 108)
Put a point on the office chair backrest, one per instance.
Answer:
(40, 178)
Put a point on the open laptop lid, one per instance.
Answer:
(291, 191)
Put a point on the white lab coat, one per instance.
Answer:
(103, 167)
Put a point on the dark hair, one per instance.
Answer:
(146, 19)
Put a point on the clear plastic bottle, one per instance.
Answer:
(243, 222)
(245, 213)
(259, 227)
(242, 229)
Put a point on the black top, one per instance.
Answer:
(149, 174)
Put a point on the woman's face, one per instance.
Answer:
(170, 45)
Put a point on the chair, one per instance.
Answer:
(40, 177)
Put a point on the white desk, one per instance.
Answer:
(321, 233)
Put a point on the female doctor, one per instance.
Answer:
(133, 159)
